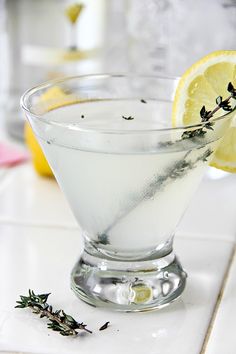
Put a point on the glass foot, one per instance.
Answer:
(128, 286)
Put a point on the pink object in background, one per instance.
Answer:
(10, 156)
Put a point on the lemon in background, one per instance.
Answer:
(39, 161)
(52, 98)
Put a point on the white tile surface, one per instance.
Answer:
(27, 198)
(223, 338)
(41, 259)
(212, 210)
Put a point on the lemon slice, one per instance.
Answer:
(200, 85)
(142, 293)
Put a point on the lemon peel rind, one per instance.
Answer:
(199, 67)
(219, 166)
(182, 95)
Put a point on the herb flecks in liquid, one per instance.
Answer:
(128, 118)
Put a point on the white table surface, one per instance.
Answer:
(40, 241)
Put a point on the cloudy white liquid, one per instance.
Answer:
(112, 181)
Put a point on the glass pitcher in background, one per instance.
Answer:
(167, 36)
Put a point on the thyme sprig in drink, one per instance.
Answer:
(128, 200)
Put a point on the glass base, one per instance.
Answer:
(128, 286)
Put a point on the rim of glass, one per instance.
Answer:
(50, 83)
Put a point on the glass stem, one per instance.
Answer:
(73, 36)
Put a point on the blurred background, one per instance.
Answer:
(45, 39)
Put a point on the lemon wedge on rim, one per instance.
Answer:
(200, 85)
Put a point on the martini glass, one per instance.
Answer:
(128, 177)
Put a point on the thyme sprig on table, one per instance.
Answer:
(59, 321)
